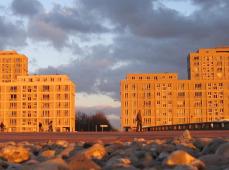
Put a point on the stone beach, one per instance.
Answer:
(180, 153)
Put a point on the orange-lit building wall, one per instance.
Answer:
(165, 100)
(12, 65)
(209, 64)
(32, 99)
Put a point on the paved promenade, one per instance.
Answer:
(104, 136)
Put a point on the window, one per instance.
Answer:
(58, 88)
(13, 121)
(181, 94)
(13, 96)
(66, 96)
(66, 113)
(13, 88)
(198, 86)
(46, 97)
(58, 96)
(45, 105)
(58, 112)
(13, 113)
(13, 105)
(45, 88)
(198, 94)
(133, 87)
(181, 86)
(34, 88)
(196, 57)
(66, 87)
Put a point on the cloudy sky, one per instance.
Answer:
(97, 42)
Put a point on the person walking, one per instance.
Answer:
(40, 127)
(50, 129)
(2, 127)
(139, 121)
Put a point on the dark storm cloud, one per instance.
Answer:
(73, 20)
(148, 40)
(140, 17)
(147, 37)
(11, 34)
(26, 7)
(89, 72)
(61, 23)
(41, 30)
(143, 19)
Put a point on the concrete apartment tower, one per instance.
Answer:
(165, 100)
(27, 101)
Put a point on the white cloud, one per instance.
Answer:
(98, 100)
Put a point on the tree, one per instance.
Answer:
(82, 121)
(85, 122)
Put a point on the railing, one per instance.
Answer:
(218, 125)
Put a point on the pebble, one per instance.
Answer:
(179, 158)
(180, 153)
(48, 153)
(183, 158)
(223, 150)
(186, 135)
(67, 151)
(97, 151)
(52, 164)
(62, 143)
(14, 154)
(212, 146)
(82, 162)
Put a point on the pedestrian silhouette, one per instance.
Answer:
(40, 127)
(50, 129)
(139, 121)
(2, 127)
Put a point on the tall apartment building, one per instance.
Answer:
(12, 65)
(165, 100)
(29, 100)
(209, 64)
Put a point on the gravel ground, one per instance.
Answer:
(179, 153)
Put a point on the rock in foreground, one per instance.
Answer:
(14, 154)
(181, 153)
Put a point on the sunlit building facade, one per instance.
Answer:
(163, 99)
(12, 65)
(29, 100)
